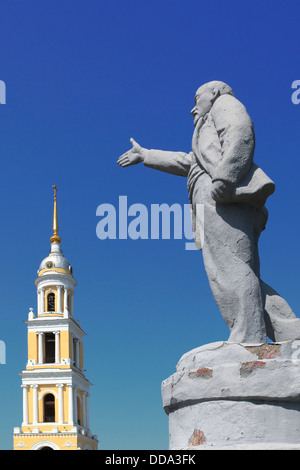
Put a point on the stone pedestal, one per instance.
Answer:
(235, 396)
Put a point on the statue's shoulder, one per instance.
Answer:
(231, 109)
(228, 102)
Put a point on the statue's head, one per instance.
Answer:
(205, 97)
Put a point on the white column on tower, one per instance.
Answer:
(35, 404)
(66, 313)
(25, 404)
(56, 347)
(71, 407)
(72, 304)
(76, 352)
(87, 411)
(38, 301)
(60, 404)
(59, 299)
(41, 352)
(84, 409)
(75, 405)
(42, 300)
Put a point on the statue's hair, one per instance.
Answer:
(223, 88)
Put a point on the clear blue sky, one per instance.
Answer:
(82, 78)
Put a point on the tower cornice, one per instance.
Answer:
(56, 275)
(63, 376)
(47, 321)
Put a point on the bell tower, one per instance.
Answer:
(55, 389)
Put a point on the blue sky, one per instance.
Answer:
(83, 77)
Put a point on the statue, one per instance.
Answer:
(222, 176)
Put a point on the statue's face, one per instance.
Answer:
(203, 103)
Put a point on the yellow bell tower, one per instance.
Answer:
(55, 389)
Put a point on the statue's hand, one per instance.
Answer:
(133, 156)
(222, 191)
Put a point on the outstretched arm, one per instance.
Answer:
(176, 163)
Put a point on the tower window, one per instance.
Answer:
(49, 408)
(49, 348)
(51, 302)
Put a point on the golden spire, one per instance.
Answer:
(55, 238)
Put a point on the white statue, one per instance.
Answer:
(221, 175)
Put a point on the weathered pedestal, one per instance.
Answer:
(234, 396)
